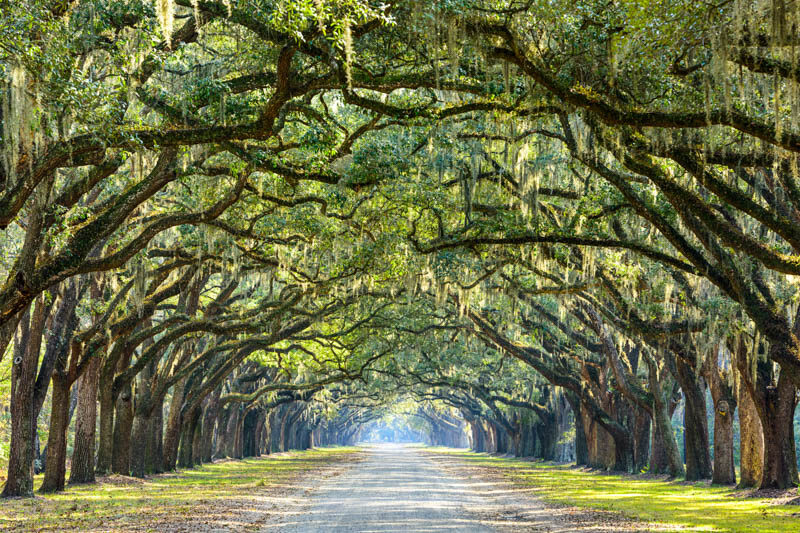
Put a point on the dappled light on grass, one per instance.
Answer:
(228, 494)
(694, 507)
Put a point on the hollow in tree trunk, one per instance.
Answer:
(724, 470)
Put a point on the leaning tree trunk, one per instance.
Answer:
(23, 374)
(82, 470)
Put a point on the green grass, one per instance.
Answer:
(693, 507)
(205, 493)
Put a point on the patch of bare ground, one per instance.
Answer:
(514, 507)
(776, 496)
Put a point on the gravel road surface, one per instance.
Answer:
(395, 489)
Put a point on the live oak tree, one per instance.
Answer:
(248, 226)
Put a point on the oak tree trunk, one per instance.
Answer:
(751, 438)
(696, 444)
(123, 422)
(82, 470)
(21, 453)
(780, 459)
(173, 430)
(55, 463)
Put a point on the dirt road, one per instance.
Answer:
(396, 488)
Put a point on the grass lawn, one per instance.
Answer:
(692, 507)
(231, 493)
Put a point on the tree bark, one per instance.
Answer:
(751, 438)
(209, 421)
(665, 456)
(197, 440)
(82, 470)
(156, 455)
(142, 443)
(724, 469)
(123, 422)
(581, 449)
(23, 425)
(695, 422)
(55, 464)
(105, 445)
(780, 459)
(724, 408)
(173, 430)
(108, 404)
(190, 422)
